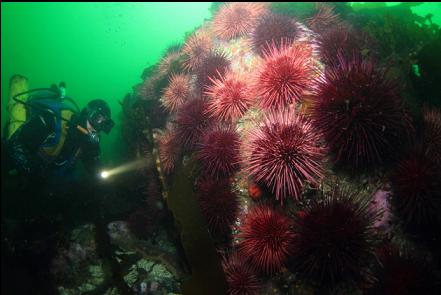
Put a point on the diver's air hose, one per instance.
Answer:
(63, 97)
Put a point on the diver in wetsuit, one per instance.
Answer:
(40, 198)
(46, 144)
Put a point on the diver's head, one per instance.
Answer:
(98, 115)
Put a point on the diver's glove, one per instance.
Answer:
(24, 163)
(93, 138)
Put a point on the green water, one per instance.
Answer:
(98, 49)
(419, 8)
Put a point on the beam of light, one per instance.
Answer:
(104, 174)
(124, 168)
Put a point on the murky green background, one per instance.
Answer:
(98, 49)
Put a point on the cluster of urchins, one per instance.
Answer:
(260, 95)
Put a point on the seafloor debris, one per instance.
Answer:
(79, 268)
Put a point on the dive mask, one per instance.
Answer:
(99, 116)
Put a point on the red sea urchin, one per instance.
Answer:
(219, 152)
(230, 97)
(266, 239)
(172, 63)
(218, 203)
(284, 75)
(168, 151)
(284, 153)
(236, 19)
(191, 120)
(241, 278)
(333, 238)
(151, 88)
(196, 49)
(360, 113)
(177, 92)
(273, 28)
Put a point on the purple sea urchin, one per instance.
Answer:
(416, 197)
(273, 28)
(191, 120)
(284, 153)
(402, 275)
(432, 133)
(324, 18)
(218, 203)
(341, 39)
(215, 65)
(333, 238)
(360, 113)
(241, 278)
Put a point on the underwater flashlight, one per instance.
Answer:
(104, 174)
(137, 164)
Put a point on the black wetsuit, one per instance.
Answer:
(24, 145)
(39, 204)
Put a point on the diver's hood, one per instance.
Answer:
(99, 115)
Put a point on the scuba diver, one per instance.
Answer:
(55, 135)
(41, 195)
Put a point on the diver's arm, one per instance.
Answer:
(24, 143)
(91, 158)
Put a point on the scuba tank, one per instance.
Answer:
(17, 111)
(51, 100)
